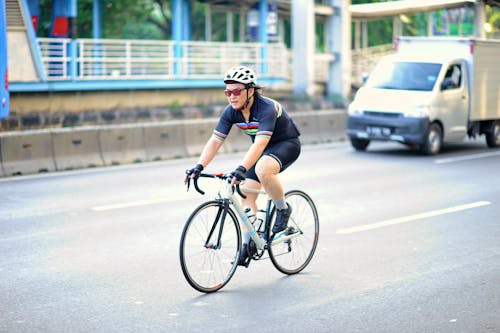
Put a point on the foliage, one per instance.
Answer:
(152, 19)
(493, 17)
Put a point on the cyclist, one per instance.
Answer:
(275, 144)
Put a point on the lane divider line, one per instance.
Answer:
(129, 204)
(411, 218)
(139, 203)
(465, 158)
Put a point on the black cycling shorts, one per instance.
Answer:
(285, 152)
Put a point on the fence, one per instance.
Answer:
(109, 59)
(149, 59)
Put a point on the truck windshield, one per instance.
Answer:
(404, 76)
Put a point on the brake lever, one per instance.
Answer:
(239, 191)
(188, 183)
(195, 182)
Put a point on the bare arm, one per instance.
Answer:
(211, 148)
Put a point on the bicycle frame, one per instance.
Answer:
(282, 237)
(228, 194)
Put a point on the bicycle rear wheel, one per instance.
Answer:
(293, 255)
(207, 261)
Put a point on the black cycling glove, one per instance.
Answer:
(239, 173)
(195, 172)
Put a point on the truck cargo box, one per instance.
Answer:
(486, 80)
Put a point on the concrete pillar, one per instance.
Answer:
(364, 33)
(230, 26)
(242, 30)
(208, 22)
(263, 12)
(339, 44)
(430, 24)
(357, 35)
(397, 27)
(303, 40)
(479, 19)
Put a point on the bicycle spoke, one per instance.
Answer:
(293, 255)
(207, 267)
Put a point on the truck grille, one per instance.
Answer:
(383, 114)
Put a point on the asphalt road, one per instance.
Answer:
(407, 244)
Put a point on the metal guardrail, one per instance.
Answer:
(151, 59)
(110, 59)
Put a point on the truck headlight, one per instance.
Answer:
(354, 112)
(417, 111)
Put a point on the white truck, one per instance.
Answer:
(431, 91)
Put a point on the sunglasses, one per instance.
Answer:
(235, 92)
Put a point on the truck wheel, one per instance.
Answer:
(493, 135)
(360, 144)
(433, 140)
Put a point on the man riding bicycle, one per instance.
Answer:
(275, 144)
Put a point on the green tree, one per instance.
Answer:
(119, 18)
(493, 17)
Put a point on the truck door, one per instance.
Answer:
(454, 102)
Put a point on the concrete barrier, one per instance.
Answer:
(76, 148)
(196, 134)
(81, 147)
(165, 140)
(331, 125)
(26, 152)
(307, 123)
(122, 144)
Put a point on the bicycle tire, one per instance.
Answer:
(291, 257)
(208, 268)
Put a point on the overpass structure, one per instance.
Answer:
(65, 63)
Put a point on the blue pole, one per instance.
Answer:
(186, 20)
(96, 19)
(72, 8)
(177, 34)
(263, 13)
(97, 34)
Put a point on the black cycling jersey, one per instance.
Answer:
(267, 118)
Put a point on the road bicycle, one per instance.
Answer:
(211, 240)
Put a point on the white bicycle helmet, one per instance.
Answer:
(241, 74)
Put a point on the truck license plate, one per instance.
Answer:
(378, 131)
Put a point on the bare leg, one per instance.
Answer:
(267, 170)
(251, 199)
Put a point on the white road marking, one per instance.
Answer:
(465, 158)
(139, 203)
(411, 218)
(129, 204)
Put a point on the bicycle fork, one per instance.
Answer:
(219, 219)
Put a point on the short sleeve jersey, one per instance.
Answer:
(267, 118)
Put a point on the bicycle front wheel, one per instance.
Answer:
(209, 247)
(294, 254)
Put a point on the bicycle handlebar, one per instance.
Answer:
(215, 175)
